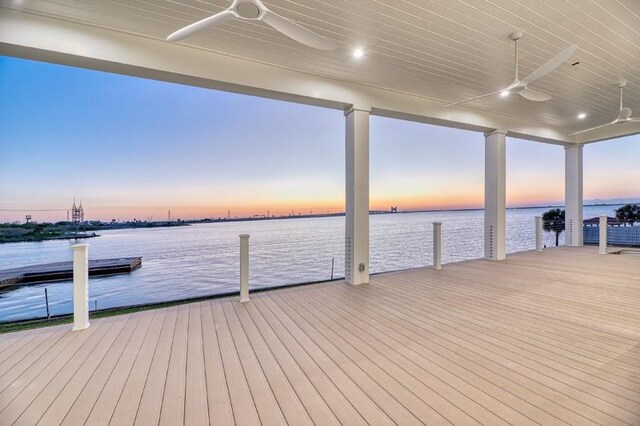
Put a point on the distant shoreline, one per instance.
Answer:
(138, 224)
(375, 212)
(36, 232)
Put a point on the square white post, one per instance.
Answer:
(539, 230)
(573, 195)
(495, 195)
(244, 268)
(357, 196)
(80, 286)
(602, 239)
(437, 245)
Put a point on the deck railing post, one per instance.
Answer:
(80, 286)
(437, 245)
(602, 246)
(244, 268)
(539, 244)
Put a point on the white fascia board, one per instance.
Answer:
(607, 133)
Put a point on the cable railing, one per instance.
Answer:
(521, 235)
(189, 263)
(199, 262)
(623, 236)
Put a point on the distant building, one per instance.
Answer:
(394, 209)
(77, 216)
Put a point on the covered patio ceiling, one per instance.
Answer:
(432, 51)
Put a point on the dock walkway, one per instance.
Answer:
(64, 270)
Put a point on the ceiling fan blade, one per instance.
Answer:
(189, 30)
(477, 97)
(593, 128)
(298, 32)
(534, 95)
(550, 65)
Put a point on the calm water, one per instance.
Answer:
(202, 259)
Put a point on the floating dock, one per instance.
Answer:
(64, 270)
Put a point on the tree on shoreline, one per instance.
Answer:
(628, 214)
(553, 221)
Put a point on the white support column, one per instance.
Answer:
(244, 268)
(357, 193)
(80, 286)
(495, 195)
(437, 245)
(602, 238)
(539, 229)
(573, 195)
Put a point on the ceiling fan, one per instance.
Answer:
(255, 10)
(624, 115)
(521, 86)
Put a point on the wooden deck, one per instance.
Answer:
(64, 270)
(542, 338)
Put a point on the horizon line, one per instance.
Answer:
(334, 214)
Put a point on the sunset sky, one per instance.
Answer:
(130, 147)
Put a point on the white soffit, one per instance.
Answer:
(445, 51)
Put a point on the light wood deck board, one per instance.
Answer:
(148, 411)
(435, 361)
(108, 400)
(18, 361)
(419, 329)
(86, 399)
(292, 354)
(538, 378)
(53, 377)
(196, 401)
(547, 338)
(61, 404)
(219, 401)
(421, 378)
(267, 405)
(563, 357)
(243, 405)
(375, 404)
(417, 396)
(276, 354)
(348, 386)
(288, 401)
(172, 412)
(11, 352)
(127, 408)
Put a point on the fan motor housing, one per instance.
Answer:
(248, 10)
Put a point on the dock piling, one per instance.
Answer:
(46, 302)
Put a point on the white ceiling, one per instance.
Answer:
(445, 50)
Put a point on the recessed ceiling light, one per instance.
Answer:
(581, 116)
(358, 53)
(505, 93)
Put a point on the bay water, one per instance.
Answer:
(203, 259)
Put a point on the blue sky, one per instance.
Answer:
(131, 147)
